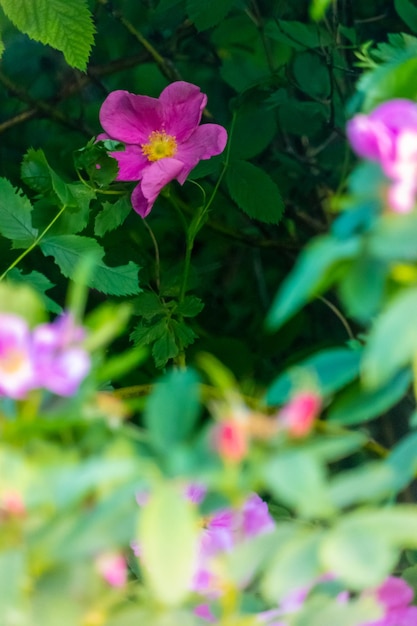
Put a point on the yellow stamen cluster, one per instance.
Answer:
(160, 146)
(12, 362)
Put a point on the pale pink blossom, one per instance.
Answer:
(113, 569)
(395, 596)
(162, 137)
(298, 416)
(388, 135)
(61, 362)
(17, 374)
(230, 440)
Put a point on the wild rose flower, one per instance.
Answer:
(162, 136)
(230, 440)
(61, 362)
(17, 375)
(297, 417)
(388, 135)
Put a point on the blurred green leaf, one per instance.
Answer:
(173, 408)
(407, 12)
(205, 15)
(168, 534)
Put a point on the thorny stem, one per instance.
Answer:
(34, 243)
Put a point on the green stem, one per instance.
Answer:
(34, 244)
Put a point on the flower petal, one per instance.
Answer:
(131, 163)
(130, 118)
(396, 114)
(208, 140)
(154, 178)
(182, 105)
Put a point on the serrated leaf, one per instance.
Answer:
(15, 215)
(184, 335)
(168, 535)
(208, 14)
(254, 192)
(68, 250)
(165, 347)
(148, 332)
(190, 306)
(39, 175)
(148, 305)
(66, 26)
(112, 216)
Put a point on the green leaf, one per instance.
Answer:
(208, 14)
(66, 26)
(356, 406)
(329, 370)
(165, 347)
(148, 305)
(362, 287)
(112, 216)
(173, 408)
(15, 216)
(392, 342)
(299, 35)
(388, 81)
(363, 484)
(39, 175)
(298, 479)
(254, 192)
(247, 144)
(394, 238)
(407, 12)
(403, 461)
(40, 283)
(306, 65)
(295, 564)
(68, 250)
(190, 306)
(318, 9)
(310, 276)
(168, 536)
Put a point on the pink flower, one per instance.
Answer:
(231, 440)
(297, 417)
(395, 596)
(112, 567)
(12, 504)
(162, 136)
(17, 375)
(388, 135)
(61, 362)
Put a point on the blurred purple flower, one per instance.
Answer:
(162, 137)
(395, 595)
(17, 374)
(112, 567)
(388, 135)
(61, 363)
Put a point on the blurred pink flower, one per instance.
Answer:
(17, 375)
(230, 440)
(61, 362)
(112, 567)
(395, 596)
(298, 416)
(162, 137)
(388, 135)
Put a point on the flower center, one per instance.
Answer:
(160, 145)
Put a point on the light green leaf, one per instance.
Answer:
(208, 14)
(356, 405)
(15, 216)
(329, 370)
(66, 26)
(112, 216)
(318, 8)
(40, 283)
(68, 250)
(168, 535)
(392, 342)
(298, 479)
(311, 275)
(254, 192)
(394, 238)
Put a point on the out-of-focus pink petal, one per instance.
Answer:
(401, 196)
(208, 140)
(195, 492)
(182, 105)
(370, 139)
(130, 118)
(396, 114)
(17, 372)
(255, 517)
(131, 163)
(394, 592)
